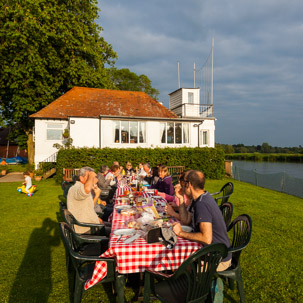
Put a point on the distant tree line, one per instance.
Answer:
(265, 148)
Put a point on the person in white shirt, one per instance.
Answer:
(27, 182)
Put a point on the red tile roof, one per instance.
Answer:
(93, 102)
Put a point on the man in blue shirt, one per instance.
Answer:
(203, 214)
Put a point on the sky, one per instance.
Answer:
(258, 59)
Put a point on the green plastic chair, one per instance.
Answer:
(227, 212)
(224, 193)
(241, 228)
(191, 282)
(83, 267)
(71, 221)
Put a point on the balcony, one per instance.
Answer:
(189, 110)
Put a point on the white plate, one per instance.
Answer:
(124, 231)
(122, 206)
(186, 228)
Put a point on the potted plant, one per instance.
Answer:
(38, 174)
(3, 169)
(65, 134)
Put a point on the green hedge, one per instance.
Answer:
(266, 157)
(208, 160)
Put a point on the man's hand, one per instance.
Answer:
(101, 221)
(97, 190)
(179, 193)
(103, 203)
(177, 228)
(169, 210)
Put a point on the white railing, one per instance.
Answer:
(194, 110)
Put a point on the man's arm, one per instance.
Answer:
(204, 236)
(89, 185)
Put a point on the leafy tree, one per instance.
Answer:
(124, 79)
(229, 149)
(46, 48)
(265, 148)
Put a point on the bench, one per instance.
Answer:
(175, 169)
(68, 173)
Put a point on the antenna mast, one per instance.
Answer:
(179, 74)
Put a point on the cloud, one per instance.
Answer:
(258, 63)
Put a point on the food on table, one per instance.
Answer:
(133, 224)
(128, 212)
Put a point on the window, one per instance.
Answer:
(191, 98)
(178, 131)
(205, 137)
(129, 132)
(170, 133)
(54, 131)
(185, 133)
(163, 132)
(174, 133)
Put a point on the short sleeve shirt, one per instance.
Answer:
(205, 209)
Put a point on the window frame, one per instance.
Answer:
(141, 132)
(59, 129)
(164, 131)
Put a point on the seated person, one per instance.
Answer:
(80, 201)
(129, 169)
(114, 174)
(140, 171)
(122, 171)
(146, 175)
(155, 175)
(164, 183)
(203, 215)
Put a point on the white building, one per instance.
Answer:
(123, 119)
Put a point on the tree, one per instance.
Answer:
(229, 149)
(265, 148)
(124, 79)
(46, 48)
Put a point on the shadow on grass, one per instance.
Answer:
(33, 281)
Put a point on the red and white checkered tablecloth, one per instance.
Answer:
(139, 255)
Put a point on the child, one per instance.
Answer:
(27, 183)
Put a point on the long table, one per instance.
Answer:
(139, 255)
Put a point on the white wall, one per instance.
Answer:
(43, 147)
(84, 132)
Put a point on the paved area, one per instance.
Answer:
(12, 177)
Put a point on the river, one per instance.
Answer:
(264, 167)
(279, 176)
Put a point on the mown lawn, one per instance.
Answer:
(33, 259)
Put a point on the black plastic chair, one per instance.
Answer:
(72, 221)
(224, 193)
(242, 229)
(191, 282)
(83, 267)
(65, 185)
(227, 212)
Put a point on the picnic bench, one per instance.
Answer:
(68, 173)
(175, 169)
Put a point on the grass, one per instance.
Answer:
(33, 258)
